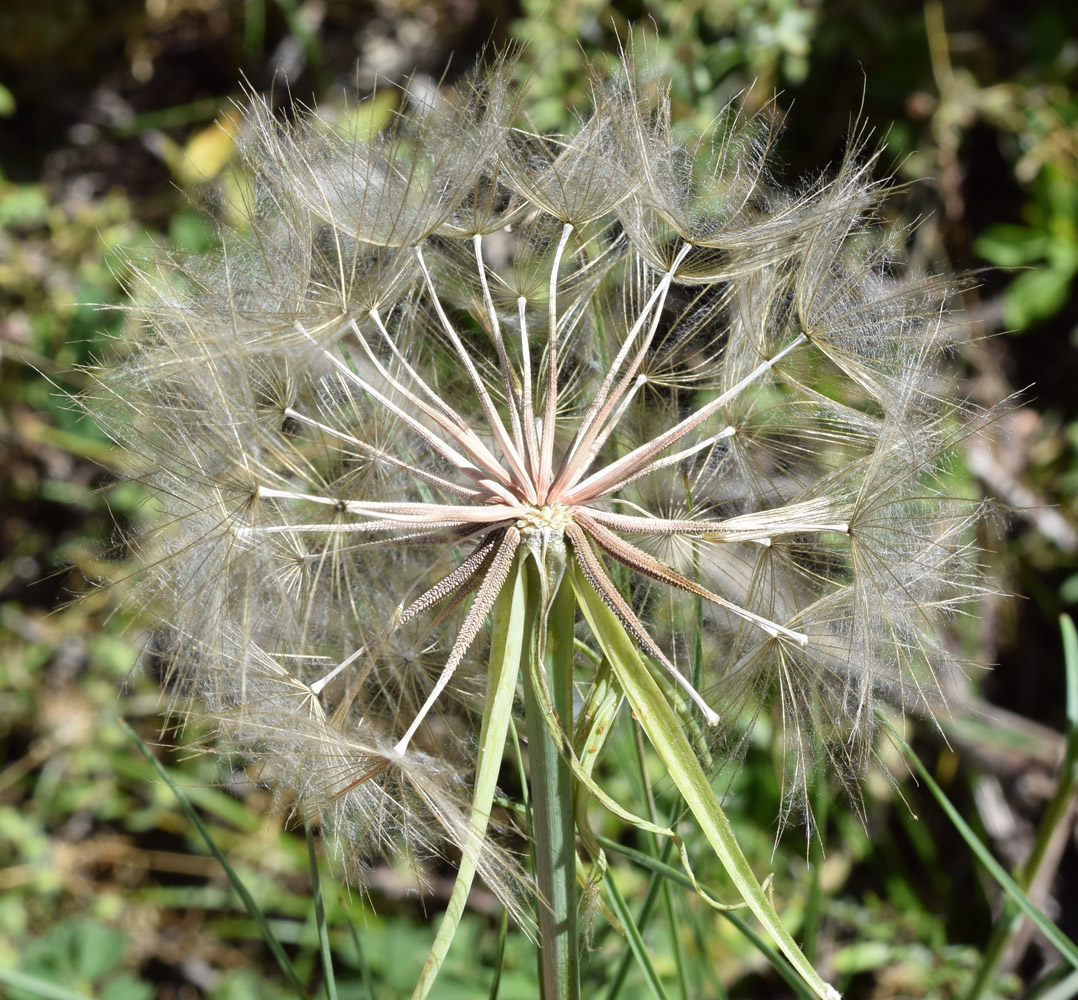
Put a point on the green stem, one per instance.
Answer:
(550, 780)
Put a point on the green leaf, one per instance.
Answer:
(1034, 296)
(22, 205)
(127, 987)
(1070, 663)
(1008, 245)
(863, 956)
(661, 725)
(97, 948)
(512, 616)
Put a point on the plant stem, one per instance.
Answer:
(553, 830)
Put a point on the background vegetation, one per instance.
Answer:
(116, 120)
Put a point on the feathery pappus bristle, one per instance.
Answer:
(426, 351)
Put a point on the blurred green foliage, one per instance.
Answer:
(83, 954)
(1047, 245)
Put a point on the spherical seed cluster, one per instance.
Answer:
(421, 348)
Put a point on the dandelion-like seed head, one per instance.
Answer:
(430, 353)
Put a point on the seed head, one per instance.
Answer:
(425, 351)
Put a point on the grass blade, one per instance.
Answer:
(651, 894)
(38, 987)
(499, 958)
(1058, 988)
(657, 888)
(365, 976)
(320, 915)
(249, 903)
(1050, 829)
(1063, 944)
(633, 938)
(814, 905)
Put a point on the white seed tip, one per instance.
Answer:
(712, 718)
(831, 993)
